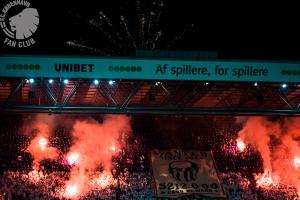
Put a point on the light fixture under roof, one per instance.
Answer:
(284, 85)
(31, 80)
(96, 82)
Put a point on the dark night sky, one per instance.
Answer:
(245, 31)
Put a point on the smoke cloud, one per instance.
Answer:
(279, 145)
(39, 146)
(95, 145)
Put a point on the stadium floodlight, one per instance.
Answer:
(111, 82)
(50, 81)
(66, 81)
(31, 80)
(96, 82)
(284, 85)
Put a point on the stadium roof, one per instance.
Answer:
(138, 96)
(110, 27)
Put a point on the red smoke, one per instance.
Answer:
(95, 144)
(256, 132)
(279, 144)
(39, 147)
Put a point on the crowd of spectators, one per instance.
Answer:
(133, 180)
(128, 186)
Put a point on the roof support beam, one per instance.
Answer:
(106, 92)
(285, 99)
(148, 110)
(67, 99)
(14, 93)
(130, 95)
(50, 93)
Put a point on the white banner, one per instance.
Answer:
(179, 172)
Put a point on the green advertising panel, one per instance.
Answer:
(148, 69)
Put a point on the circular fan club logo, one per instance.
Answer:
(19, 21)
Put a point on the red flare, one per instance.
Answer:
(240, 144)
(71, 191)
(43, 143)
(112, 148)
(73, 158)
(266, 180)
(297, 162)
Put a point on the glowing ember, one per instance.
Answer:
(34, 176)
(43, 143)
(112, 148)
(297, 162)
(240, 144)
(73, 158)
(164, 175)
(71, 191)
(103, 180)
(266, 180)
